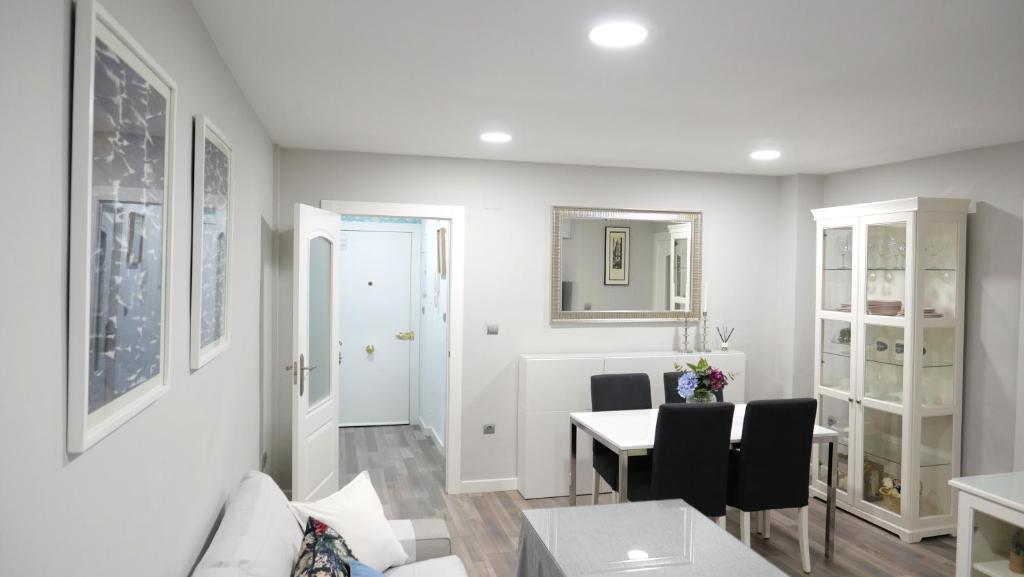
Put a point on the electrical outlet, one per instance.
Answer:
(492, 329)
(489, 429)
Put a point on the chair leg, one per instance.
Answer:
(745, 527)
(766, 524)
(721, 521)
(615, 497)
(597, 488)
(805, 544)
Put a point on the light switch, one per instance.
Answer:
(492, 329)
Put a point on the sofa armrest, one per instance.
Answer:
(423, 539)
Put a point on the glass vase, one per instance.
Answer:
(703, 396)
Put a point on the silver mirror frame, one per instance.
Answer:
(558, 316)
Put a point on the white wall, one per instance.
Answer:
(994, 178)
(143, 500)
(508, 259)
(433, 335)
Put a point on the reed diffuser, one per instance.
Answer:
(724, 334)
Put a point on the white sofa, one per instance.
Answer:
(258, 537)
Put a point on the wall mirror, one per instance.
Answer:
(612, 265)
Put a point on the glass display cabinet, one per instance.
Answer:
(889, 349)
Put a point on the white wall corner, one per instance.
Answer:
(1018, 438)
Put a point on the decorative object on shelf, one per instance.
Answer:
(616, 255)
(724, 334)
(844, 336)
(704, 348)
(891, 491)
(1017, 552)
(211, 242)
(699, 382)
(120, 238)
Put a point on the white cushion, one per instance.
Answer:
(257, 536)
(450, 566)
(356, 513)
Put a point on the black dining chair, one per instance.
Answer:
(623, 392)
(690, 460)
(770, 470)
(672, 389)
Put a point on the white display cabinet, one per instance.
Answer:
(889, 345)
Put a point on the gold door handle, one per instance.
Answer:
(406, 336)
(370, 349)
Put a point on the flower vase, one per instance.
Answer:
(703, 396)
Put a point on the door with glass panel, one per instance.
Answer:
(886, 244)
(938, 373)
(834, 332)
(314, 350)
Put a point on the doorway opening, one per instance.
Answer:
(394, 301)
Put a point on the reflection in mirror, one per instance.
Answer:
(625, 265)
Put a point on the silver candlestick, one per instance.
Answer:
(686, 333)
(704, 334)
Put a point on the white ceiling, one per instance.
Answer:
(834, 84)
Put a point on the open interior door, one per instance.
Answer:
(314, 350)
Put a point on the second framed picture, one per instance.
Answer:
(211, 242)
(616, 255)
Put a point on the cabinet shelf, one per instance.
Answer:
(888, 363)
(995, 568)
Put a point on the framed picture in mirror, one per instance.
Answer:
(616, 255)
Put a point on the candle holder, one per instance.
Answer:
(686, 333)
(704, 334)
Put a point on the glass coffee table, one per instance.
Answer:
(656, 537)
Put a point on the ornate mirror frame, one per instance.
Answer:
(560, 213)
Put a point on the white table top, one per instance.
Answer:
(634, 430)
(1006, 489)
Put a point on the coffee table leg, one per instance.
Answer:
(572, 464)
(830, 512)
(623, 477)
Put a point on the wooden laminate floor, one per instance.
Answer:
(407, 471)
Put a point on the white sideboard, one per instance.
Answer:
(553, 385)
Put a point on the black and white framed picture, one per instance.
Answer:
(211, 242)
(616, 255)
(121, 166)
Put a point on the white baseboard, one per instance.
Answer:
(489, 485)
(432, 434)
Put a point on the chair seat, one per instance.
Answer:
(606, 462)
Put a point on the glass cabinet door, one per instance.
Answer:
(881, 451)
(938, 370)
(837, 269)
(834, 413)
(886, 261)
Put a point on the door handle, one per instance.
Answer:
(370, 349)
(302, 374)
(406, 336)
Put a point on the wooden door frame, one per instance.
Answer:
(456, 215)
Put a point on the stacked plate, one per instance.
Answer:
(844, 308)
(884, 308)
(929, 313)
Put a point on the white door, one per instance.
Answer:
(314, 355)
(377, 331)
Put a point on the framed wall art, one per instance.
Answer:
(616, 255)
(121, 167)
(211, 242)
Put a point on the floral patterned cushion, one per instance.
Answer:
(323, 553)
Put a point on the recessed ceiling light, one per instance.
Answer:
(496, 137)
(765, 154)
(618, 34)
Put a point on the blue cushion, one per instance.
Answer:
(362, 570)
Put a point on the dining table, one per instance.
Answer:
(631, 433)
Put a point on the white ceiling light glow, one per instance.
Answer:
(618, 34)
(765, 154)
(496, 137)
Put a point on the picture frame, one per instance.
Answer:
(212, 202)
(616, 255)
(122, 151)
(442, 252)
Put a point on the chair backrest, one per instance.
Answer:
(775, 455)
(623, 392)
(691, 455)
(672, 389)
